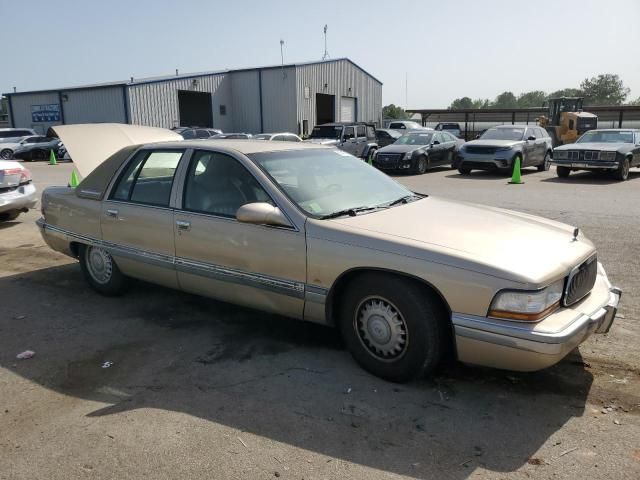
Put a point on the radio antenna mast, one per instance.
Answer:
(326, 52)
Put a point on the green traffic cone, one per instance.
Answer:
(74, 180)
(370, 160)
(52, 158)
(515, 176)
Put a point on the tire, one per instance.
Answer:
(464, 171)
(38, 155)
(622, 173)
(421, 166)
(107, 280)
(6, 154)
(563, 172)
(370, 154)
(544, 166)
(410, 323)
(9, 216)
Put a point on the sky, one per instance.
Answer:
(426, 53)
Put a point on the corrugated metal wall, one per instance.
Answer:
(279, 100)
(21, 109)
(245, 89)
(156, 104)
(342, 78)
(94, 106)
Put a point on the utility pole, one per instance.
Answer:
(282, 56)
(406, 90)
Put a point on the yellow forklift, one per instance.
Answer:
(566, 121)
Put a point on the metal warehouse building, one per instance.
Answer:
(291, 98)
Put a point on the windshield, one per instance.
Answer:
(606, 137)
(325, 181)
(415, 139)
(327, 131)
(503, 134)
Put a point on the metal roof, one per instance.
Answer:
(164, 78)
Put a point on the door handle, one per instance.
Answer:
(182, 225)
(112, 213)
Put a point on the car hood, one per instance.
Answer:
(493, 143)
(596, 146)
(502, 243)
(91, 144)
(323, 141)
(400, 148)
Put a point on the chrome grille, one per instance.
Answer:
(580, 282)
(388, 160)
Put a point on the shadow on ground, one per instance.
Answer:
(491, 175)
(591, 178)
(281, 379)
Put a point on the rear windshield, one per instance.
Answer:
(327, 131)
(14, 133)
(415, 139)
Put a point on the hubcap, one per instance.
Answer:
(381, 328)
(100, 264)
(6, 154)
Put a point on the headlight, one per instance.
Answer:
(560, 154)
(527, 305)
(608, 156)
(407, 156)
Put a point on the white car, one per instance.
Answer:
(406, 125)
(10, 139)
(17, 191)
(278, 137)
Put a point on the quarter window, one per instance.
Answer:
(219, 185)
(148, 178)
(361, 131)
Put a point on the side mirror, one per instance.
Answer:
(435, 142)
(477, 137)
(531, 137)
(260, 213)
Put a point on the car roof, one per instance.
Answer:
(245, 147)
(615, 130)
(342, 124)
(516, 126)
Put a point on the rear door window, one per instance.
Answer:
(148, 178)
(349, 133)
(361, 131)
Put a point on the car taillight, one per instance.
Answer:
(25, 176)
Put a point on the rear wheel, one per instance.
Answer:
(622, 173)
(464, 171)
(101, 271)
(394, 328)
(546, 163)
(38, 155)
(6, 153)
(563, 172)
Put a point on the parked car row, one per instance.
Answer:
(30, 148)
(191, 133)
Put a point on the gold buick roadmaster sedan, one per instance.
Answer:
(313, 233)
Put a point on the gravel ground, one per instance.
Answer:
(202, 389)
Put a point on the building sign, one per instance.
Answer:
(45, 113)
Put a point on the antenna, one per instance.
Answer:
(326, 52)
(282, 56)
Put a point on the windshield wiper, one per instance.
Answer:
(352, 212)
(404, 199)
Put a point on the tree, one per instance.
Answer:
(505, 100)
(567, 92)
(531, 99)
(460, 103)
(605, 89)
(394, 112)
(635, 102)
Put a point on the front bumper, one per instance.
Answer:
(19, 198)
(529, 347)
(586, 165)
(489, 161)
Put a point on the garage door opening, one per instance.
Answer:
(325, 108)
(195, 109)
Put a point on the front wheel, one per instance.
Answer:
(563, 172)
(422, 165)
(101, 271)
(544, 166)
(394, 328)
(6, 154)
(38, 155)
(622, 173)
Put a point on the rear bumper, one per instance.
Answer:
(586, 165)
(521, 347)
(22, 198)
